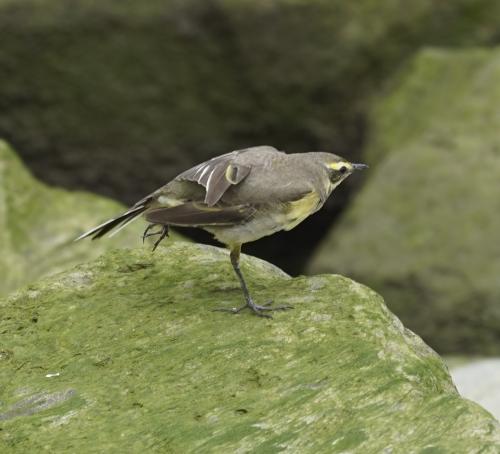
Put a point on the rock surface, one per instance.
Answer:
(424, 229)
(38, 225)
(124, 354)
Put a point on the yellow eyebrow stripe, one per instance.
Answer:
(338, 165)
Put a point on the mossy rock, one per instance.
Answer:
(125, 354)
(39, 223)
(424, 230)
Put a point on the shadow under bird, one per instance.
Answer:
(240, 197)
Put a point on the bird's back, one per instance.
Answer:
(274, 177)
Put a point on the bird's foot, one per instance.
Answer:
(268, 307)
(258, 310)
(162, 233)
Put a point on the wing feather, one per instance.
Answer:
(194, 214)
(216, 175)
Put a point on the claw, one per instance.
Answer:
(237, 310)
(146, 233)
(163, 233)
(266, 307)
(256, 309)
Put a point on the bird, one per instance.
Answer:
(239, 197)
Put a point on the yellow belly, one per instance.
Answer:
(267, 221)
(300, 209)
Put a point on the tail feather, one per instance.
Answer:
(123, 225)
(120, 222)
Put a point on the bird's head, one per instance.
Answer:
(338, 168)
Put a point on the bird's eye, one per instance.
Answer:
(343, 169)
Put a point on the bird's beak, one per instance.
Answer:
(359, 166)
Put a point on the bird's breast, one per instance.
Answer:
(298, 210)
(268, 220)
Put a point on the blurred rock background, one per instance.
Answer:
(424, 229)
(116, 97)
(38, 225)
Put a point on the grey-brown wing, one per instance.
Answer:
(197, 214)
(217, 175)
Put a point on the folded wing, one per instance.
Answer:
(194, 214)
(217, 175)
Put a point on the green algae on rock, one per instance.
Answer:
(424, 229)
(124, 354)
(38, 225)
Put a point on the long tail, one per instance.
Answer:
(121, 221)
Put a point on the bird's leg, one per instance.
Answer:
(163, 233)
(257, 310)
(146, 233)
